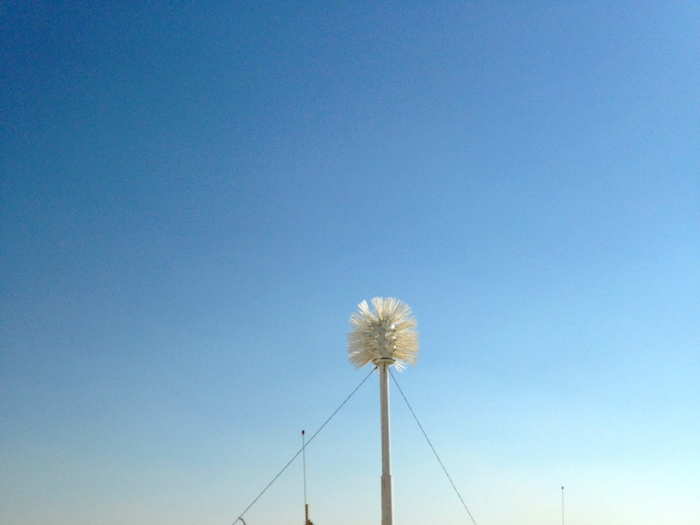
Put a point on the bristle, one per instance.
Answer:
(387, 332)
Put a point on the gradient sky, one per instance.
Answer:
(196, 195)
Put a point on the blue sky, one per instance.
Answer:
(196, 196)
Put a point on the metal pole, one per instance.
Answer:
(303, 457)
(562, 505)
(387, 514)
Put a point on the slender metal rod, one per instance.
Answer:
(303, 457)
(387, 509)
(562, 505)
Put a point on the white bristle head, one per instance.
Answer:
(386, 333)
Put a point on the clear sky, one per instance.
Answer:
(196, 195)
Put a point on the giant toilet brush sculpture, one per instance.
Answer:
(384, 335)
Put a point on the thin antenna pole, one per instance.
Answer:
(387, 510)
(303, 458)
(562, 505)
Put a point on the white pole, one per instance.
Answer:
(387, 514)
(562, 505)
